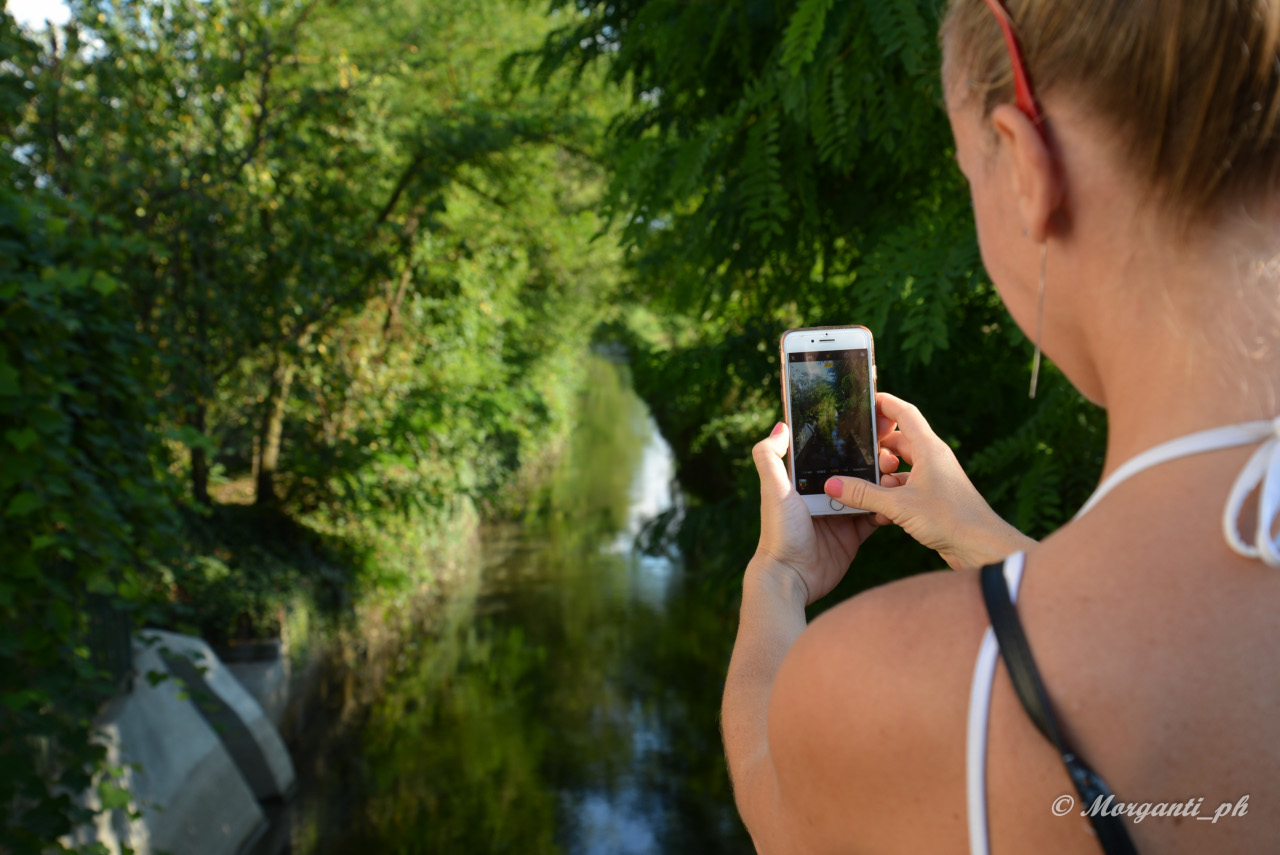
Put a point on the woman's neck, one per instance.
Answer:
(1194, 343)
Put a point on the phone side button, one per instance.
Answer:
(835, 506)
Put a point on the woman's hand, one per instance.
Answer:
(795, 547)
(935, 502)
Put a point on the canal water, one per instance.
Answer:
(564, 700)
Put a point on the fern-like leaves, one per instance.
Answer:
(803, 33)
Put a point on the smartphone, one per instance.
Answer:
(829, 395)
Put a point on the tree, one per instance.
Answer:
(787, 164)
(290, 162)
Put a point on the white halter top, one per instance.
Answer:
(1262, 471)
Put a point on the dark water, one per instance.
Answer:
(564, 701)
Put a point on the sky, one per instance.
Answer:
(34, 13)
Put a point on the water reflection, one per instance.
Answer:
(567, 702)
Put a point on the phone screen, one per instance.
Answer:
(831, 413)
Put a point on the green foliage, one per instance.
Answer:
(249, 566)
(313, 257)
(312, 174)
(360, 282)
(803, 33)
(788, 164)
(85, 515)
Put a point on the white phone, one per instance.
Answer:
(829, 395)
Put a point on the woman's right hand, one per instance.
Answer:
(935, 502)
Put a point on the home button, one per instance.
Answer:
(835, 506)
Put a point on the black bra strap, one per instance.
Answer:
(1111, 830)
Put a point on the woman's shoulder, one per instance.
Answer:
(912, 625)
(867, 718)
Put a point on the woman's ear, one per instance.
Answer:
(1037, 183)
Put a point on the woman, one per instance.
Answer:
(1125, 174)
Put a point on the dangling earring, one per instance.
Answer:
(1035, 360)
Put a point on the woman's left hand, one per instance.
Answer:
(817, 551)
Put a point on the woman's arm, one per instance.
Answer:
(798, 561)
(853, 740)
(771, 619)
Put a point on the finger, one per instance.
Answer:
(898, 445)
(888, 461)
(863, 495)
(884, 424)
(767, 455)
(909, 418)
(890, 482)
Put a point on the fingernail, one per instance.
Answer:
(833, 488)
(777, 429)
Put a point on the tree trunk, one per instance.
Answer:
(200, 463)
(272, 430)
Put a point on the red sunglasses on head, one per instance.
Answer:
(1025, 100)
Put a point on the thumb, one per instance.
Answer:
(863, 495)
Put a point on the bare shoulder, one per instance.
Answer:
(867, 718)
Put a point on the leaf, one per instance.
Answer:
(21, 439)
(901, 32)
(17, 701)
(9, 380)
(113, 796)
(104, 284)
(803, 33)
(47, 420)
(23, 504)
(100, 583)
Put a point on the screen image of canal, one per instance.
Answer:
(831, 416)
(563, 699)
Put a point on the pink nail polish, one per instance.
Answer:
(777, 429)
(833, 488)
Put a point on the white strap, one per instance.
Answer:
(984, 674)
(1263, 469)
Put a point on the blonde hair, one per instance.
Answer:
(1190, 87)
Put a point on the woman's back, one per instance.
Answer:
(1157, 645)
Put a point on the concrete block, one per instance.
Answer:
(264, 672)
(240, 722)
(192, 798)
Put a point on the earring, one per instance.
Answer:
(1035, 360)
